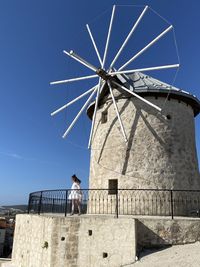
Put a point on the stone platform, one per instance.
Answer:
(88, 240)
(54, 241)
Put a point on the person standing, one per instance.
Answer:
(75, 194)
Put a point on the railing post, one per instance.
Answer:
(29, 204)
(66, 196)
(52, 209)
(40, 203)
(117, 207)
(172, 205)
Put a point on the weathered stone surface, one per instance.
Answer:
(161, 152)
(162, 231)
(96, 240)
(5, 262)
(116, 237)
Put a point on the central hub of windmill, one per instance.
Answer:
(103, 74)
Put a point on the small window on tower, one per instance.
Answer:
(112, 186)
(104, 116)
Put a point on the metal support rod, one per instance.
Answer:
(29, 204)
(129, 36)
(94, 44)
(139, 97)
(146, 69)
(74, 100)
(80, 60)
(75, 79)
(117, 111)
(40, 203)
(172, 204)
(117, 207)
(146, 47)
(66, 198)
(52, 209)
(108, 36)
(95, 111)
(78, 115)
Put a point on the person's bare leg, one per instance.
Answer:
(79, 206)
(73, 202)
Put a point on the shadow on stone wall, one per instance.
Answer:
(160, 234)
(147, 238)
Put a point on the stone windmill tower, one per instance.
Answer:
(142, 133)
(161, 151)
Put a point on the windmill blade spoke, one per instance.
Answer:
(94, 44)
(147, 69)
(80, 60)
(146, 47)
(74, 79)
(108, 36)
(139, 97)
(100, 86)
(129, 36)
(117, 111)
(73, 101)
(79, 113)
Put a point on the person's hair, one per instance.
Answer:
(75, 178)
(78, 180)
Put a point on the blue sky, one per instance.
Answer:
(33, 34)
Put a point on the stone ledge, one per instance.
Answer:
(5, 262)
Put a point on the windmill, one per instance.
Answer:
(108, 77)
(158, 146)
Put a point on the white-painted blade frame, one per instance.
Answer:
(80, 60)
(79, 113)
(129, 36)
(94, 44)
(139, 97)
(74, 79)
(108, 36)
(146, 47)
(117, 112)
(100, 86)
(73, 101)
(146, 69)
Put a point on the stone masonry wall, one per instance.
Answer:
(31, 233)
(111, 236)
(158, 232)
(73, 241)
(99, 241)
(160, 153)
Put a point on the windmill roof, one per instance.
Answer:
(145, 85)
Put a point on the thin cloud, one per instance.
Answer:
(19, 157)
(12, 155)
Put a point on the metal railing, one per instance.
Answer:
(154, 202)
